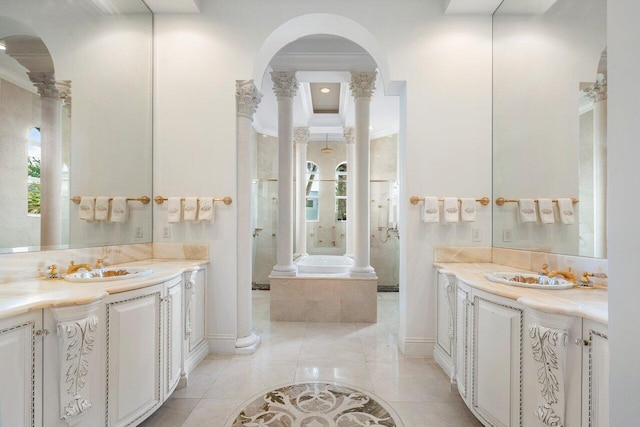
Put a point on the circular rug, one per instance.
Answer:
(315, 404)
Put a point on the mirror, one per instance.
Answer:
(75, 96)
(549, 124)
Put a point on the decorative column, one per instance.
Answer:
(300, 137)
(247, 100)
(362, 86)
(599, 95)
(285, 86)
(350, 138)
(51, 161)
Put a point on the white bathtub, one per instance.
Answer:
(324, 264)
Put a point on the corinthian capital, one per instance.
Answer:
(598, 92)
(350, 135)
(64, 89)
(247, 98)
(363, 83)
(300, 135)
(285, 83)
(45, 83)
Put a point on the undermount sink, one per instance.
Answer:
(108, 274)
(530, 280)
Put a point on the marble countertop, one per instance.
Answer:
(35, 294)
(590, 304)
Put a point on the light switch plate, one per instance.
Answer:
(507, 235)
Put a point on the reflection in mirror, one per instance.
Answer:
(549, 123)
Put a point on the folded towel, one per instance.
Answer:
(87, 208)
(527, 209)
(468, 210)
(102, 209)
(119, 209)
(207, 209)
(430, 210)
(565, 206)
(451, 211)
(174, 209)
(190, 208)
(545, 208)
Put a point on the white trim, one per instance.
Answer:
(417, 347)
(443, 361)
(221, 343)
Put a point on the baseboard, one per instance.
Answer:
(417, 347)
(221, 344)
(443, 360)
(200, 352)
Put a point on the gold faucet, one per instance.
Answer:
(73, 267)
(99, 264)
(566, 274)
(586, 282)
(545, 270)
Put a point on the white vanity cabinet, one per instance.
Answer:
(21, 370)
(462, 343)
(174, 323)
(195, 344)
(595, 375)
(445, 312)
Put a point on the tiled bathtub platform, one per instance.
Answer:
(320, 299)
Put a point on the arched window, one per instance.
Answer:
(33, 172)
(313, 191)
(341, 192)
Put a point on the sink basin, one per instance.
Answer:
(530, 280)
(108, 274)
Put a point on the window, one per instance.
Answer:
(313, 190)
(341, 192)
(33, 172)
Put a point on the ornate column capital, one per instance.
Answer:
(300, 135)
(247, 98)
(64, 89)
(598, 92)
(285, 83)
(45, 83)
(350, 135)
(363, 83)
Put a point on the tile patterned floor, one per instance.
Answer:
(363, 355)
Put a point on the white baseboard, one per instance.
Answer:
(417, 347)
(200, 352)
(221, 344)
(443, 360)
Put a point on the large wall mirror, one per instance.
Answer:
(75, 123)
(549, 125)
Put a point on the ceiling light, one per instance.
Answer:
(325, 90)
(326, 149)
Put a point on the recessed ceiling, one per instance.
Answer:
(325, 98)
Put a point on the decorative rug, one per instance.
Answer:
(314, 404)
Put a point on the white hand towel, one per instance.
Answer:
(174, 209)
(468, 210)
(87, 208)
(527, 209)
(430, 210)
(565, 206)
(207, 209)
(119, 209)
(545, 208)
(190, 208)
(451, 211)
(102, 209)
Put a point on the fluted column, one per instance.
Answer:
(362, 86)
(247, 100)
(599, 95)
(350, 138)
(300, 137)
(51, 161)
(285, 86)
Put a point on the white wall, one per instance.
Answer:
(623, 34)
(446, 63)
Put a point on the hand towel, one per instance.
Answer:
(527, 209)
(119, 209)
(430, 210)
(87, 208)
(565, 206)
(174, 209)
(207, 209)
(468, 210)
(102, 209)
(545, 208)
(190, 208)
(451, 211)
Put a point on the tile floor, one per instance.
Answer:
(363, 355)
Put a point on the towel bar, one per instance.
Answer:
(500, 201)
(226, 200)
(144, 199)
(415, 200)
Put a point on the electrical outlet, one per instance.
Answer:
(166, 232)
(507, 235)
(476, 235)
(139, 232)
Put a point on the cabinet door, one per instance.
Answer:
(595, 382)
(134, 363)
(195, 297)
(173, 347)
(463, 340)
(445, 313)
(497, 361)
(21, 370)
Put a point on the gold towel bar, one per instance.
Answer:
(500, 201)
(415, 200)
(144, 199)
(226, 200)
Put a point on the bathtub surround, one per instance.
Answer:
(300, 137)
(247, 101)
(350, 139)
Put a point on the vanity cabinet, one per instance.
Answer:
(445, 312)
(595, 374)
(195, 344)
(462, 343)
(174, 324)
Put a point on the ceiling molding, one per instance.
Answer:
(471, 7)
(174, 6)
(17, 79)
(326, 61)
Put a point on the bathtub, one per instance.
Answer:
(324, 264)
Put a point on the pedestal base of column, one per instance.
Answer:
(284, 270)
(364, 272)
(247, 345)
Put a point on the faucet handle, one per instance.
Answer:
(99, 262)
(585, 281)
(545, 270)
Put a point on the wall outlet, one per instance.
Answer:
(139, 232)
(476, 235)
(166, 232)
(507, 235)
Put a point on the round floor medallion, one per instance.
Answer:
(315, 404)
